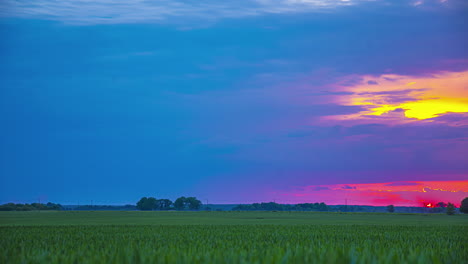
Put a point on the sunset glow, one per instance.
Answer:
(407, 193)
(417, 97)
(232, 102)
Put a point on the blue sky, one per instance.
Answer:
(109, 102)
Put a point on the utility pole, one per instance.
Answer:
(346, 205)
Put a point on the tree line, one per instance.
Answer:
(30, 207)
(192, 203)
(272, 206)
(181, 203)
(127, 207)
(441, 207)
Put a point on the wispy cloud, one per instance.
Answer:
(161, 11)
(158, 11)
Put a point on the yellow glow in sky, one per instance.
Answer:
(418, 97)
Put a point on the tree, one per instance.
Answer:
(180, 203)
(441, 204)
(54, 206)
(391, 208)
(147, 204)
(193, 203)
(464, 206)
(163, 204)
(322, 207)
(141, 204)
(450, 209)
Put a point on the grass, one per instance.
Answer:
(231, 237)
(34, 218)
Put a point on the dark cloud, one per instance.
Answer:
(398, 99)
(332, 93)
(397, 92)
(395, 97)
(347, 187)
(402, 184)
(319, 188)
(453, 118)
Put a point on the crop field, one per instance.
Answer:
(231, 237)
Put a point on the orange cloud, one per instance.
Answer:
(418, 98)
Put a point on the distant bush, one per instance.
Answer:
(391, 208)
(450, 209)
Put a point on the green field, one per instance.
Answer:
(231, 237)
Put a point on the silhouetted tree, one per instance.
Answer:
(193, 203)
(147, 204)
(141, 203)
(184, 203)
(322, 207)
(180, 203)
(441, 204)
(391, 208)
(464, 206)
(450, 209)
(163, 204)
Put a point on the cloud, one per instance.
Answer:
(420, 97)
(331, 93)
(160, 11)
(397, 92)
(453, 119)
(157, 11)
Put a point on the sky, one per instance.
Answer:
(292, 101)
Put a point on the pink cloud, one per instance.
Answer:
(410, 193)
